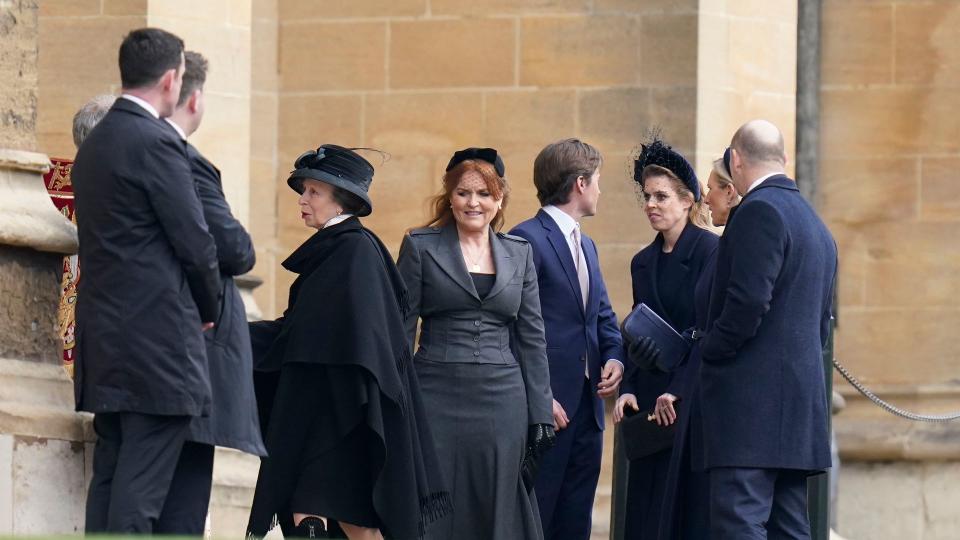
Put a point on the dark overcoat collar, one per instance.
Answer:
(562, 248)
(683, 250)
(450, 258)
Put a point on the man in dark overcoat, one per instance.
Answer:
(233, 420)
(152, 286)
(762, 383)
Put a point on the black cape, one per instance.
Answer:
(346, 309)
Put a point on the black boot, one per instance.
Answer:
(311, 527)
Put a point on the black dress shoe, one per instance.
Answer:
(311, 527)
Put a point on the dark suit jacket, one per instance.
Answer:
(150, 269)
(233, 420)
(574, 335)
(505, 327)
(762, 380)
(694, 249)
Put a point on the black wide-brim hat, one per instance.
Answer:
(338, 166)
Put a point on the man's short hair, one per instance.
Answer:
(146, 54)
(89, 115)
(194, 75)
(558, 166)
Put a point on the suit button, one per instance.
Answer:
(476, 338)
(476, 323)
(476, 353)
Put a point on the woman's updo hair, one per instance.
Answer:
(350, 203)
(697, 214)
(442, 213)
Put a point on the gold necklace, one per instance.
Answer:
(475, 264)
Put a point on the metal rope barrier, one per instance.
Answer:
(889, 407)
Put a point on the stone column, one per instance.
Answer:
(43, 454)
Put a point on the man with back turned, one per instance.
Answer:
(762, 381)
(151, 287)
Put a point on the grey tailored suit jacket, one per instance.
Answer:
(505, 327)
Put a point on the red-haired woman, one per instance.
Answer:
(481, 360)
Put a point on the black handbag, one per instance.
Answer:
(642, 436)
(644, 322)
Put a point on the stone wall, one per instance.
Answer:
(18, 74)
(890, 155)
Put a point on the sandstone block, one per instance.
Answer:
(308, 121)
(901, 346)
(674, 110)
(668, 50)
(580, 51)
(527, 120)
(939, 197)
(264, 56)
(925, 36)
(616, 118)
(518, 7)
(857, 41)
(869, 190)
(645, 7)
(871, 490)
(429, 123)
(69, 8)
(332, 56)
(47, 470)
(444, 53)
(264, 119)
(125, 7)
(308, 9)
(883, 121)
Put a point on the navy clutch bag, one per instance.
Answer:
(643, 321)
(643, 436)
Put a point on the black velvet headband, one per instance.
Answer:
(726, 161)
(483, 154)
(660, 154)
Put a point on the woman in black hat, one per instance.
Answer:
(338, 398)
(664, 275)
(482, 360)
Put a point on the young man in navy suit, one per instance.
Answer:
(762, 382)
(583, 338)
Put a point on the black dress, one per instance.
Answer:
(338, 396)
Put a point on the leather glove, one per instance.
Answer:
(644, 353)
(540, 438)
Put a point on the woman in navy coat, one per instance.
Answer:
(686, 502)
(664, 275)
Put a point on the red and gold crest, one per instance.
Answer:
(57, 182)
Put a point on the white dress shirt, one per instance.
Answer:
(760, 180)
(149, 108)
(178, 128)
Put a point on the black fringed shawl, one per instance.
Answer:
(347, 307)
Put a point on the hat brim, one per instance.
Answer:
(296, 183)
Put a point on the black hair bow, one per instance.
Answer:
(483, 154)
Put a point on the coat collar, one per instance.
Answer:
(123, 104)
(450, 257)
(304, 257)
(781, 181)
(683, 250)
(562, 249)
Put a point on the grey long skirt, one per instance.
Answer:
(478, 415)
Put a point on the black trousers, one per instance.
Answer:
(134, 463)
(756, 504)
(185, 510)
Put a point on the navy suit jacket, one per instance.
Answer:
(574, 335)
(694, 249)
(762, 380)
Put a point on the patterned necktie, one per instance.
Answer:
(581, 262)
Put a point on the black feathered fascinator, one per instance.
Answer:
(658, 153)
